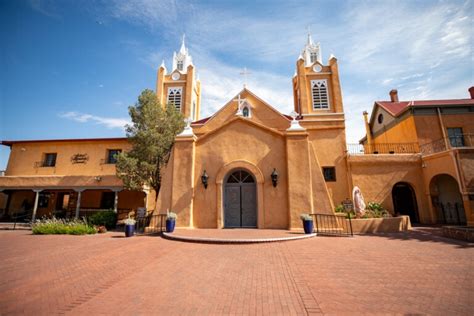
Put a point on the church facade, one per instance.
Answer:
(249, 165)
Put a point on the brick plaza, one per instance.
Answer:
(405, 273)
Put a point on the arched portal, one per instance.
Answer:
(447, 200)
(240, 200)
(404, 201)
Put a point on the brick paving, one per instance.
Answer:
(407, 273)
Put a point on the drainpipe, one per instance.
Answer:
(443, 130)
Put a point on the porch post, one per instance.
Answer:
(116, 201)
(35, 207)
(78, 203)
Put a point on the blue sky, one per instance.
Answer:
(70, 69)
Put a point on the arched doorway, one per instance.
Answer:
(240, 200)
(404, 201)
(447, 200)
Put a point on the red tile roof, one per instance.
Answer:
(397, 108)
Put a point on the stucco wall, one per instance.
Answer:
(240, 141)
(376, 175)
(23, 157)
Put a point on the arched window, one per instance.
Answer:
(313, 57)
(319, 90)
(246, 112)
(180, 65)
(174, 97)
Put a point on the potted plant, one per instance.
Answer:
(307, 223)
(129, 227)
(170, 221)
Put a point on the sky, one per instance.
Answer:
(70, 69)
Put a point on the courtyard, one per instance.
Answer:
(406, 273)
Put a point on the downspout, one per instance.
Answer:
(443, 131)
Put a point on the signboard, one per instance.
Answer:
(348, 205)
(79, 158)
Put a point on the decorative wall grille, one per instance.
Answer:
(320, 94)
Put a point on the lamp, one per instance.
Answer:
(274, 176)
(204, 178)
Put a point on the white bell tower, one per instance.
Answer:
(182, 59)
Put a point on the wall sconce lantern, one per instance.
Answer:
(204, 179)
(274, 177)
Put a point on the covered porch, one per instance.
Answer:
(29, 198)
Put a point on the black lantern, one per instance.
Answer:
(274, 177)
(204, 179)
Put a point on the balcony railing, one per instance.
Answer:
(443, 144)
(388, 148)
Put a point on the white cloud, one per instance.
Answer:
(108, 122)
(412, 46)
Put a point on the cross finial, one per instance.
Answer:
(310, 40)
(245, 73)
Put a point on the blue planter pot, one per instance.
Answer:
(170, 223)
(308, 227)
(129, 230)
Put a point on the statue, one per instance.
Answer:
(359, 204)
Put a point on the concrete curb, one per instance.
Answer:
(209, 240)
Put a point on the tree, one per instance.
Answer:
(152, 134)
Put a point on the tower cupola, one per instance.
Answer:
(311, 52)
(182, 59)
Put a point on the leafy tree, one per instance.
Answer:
(152, 135)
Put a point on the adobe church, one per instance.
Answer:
(249, 165)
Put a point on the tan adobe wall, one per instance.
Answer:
(376, 175)
(403, 132)
(466, 161)
(428, 127)
(24, 156)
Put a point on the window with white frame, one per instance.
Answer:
(180, 65)
(175, 96)
(319, 90)
(313, 57)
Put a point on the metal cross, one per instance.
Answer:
(244, 73)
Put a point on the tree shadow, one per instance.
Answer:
(425, 234)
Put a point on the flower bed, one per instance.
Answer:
(56, 226)
(380, 225)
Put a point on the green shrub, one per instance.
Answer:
(61, 226)
(107, 219)
(375, 210)
(339, 209)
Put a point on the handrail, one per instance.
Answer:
(332, 225)
(446, 143)
(18, 217)
(151, 224)
(382, 148)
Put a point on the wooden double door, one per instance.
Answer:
(240, 200)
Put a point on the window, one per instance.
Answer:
(320, 94)
(329, 174)
(49, 159)
(174, 97)
(107, 201)
(43, 199)
(112, 155)
(246, 112)
(380, 118)
(456, 137)
(313, 57)
(180, 65)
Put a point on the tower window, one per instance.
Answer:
(180, 65)
(246, 112)
(313, 57)
(174, 97)
(319, 89)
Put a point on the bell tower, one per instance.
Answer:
(316, 86)
(180, 87)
